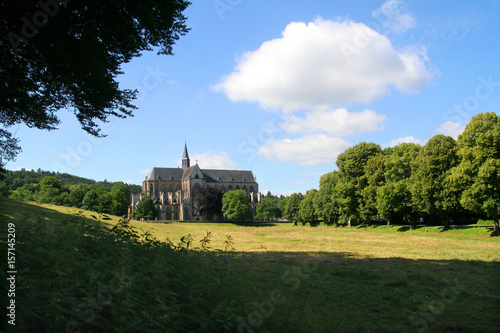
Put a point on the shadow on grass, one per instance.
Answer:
(254, 224)
(345, 293)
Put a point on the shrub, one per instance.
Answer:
(82, 276)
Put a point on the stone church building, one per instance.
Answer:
(173, 189)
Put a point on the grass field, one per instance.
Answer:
(282, 278)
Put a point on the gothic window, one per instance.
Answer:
(251, 189)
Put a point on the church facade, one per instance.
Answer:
(173, 189)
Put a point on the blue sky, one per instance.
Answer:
(283, 87)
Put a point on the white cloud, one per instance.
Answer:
(307, 150)
(394, 16)
(407, 139)
(451, 128)
(129, 181)
(322, 64)
(145, 171)
(71, 158)
(335, 122)
(214, 160)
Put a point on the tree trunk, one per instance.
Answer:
(446, 220)
(495, 223)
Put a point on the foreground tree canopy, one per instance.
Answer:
(66, 55)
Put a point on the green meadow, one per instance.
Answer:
(79, 271)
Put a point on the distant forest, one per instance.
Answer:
(68, 190)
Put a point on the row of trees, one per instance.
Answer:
(66, 190)
(446, 181)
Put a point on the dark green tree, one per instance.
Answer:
(50, 190)
(25, 192)
(105, 203)
(50, 181)
(4, 189)
(292, 207)
(428, 186)
(307, 211)
(91, 201)
(282, 202)
(77, 194)
(351, 164)
(121, 198)
(477, 175)
(208, 202)
(66, 55)
(145, 209)
(375, 178)
(394, 201)
(324, 204)
(9, 148)
(236, 206)
(268, 209)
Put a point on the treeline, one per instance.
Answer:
(68, 190)
(445, 182)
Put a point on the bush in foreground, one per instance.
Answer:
(85, 277)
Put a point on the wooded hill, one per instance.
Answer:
(68, 190)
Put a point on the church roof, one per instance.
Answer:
(211, 176)
(165, 174)
(228, 176)
(188, 172)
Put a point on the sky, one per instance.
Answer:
(282, 87)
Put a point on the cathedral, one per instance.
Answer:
(173, 189)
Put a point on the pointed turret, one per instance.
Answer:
(185, 158)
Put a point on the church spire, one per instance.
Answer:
(185, 158)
